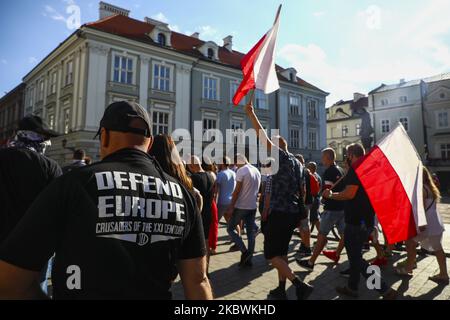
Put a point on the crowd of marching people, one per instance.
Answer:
(130, 224)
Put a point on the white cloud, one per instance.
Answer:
(49, 9)
(207, 31)
(160, 17)
(409, 46)
(32, 60)
(318, 14)
(372, 17)
(73, 18)
(174, 27)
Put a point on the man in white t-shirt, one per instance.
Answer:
(243, 207)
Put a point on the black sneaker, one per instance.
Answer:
(277, 294)
(305, 264)
(245, 258)
(304, 291)
(234, 248)
(303, 252)
(398, 246)
(345, 273)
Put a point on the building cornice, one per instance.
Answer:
(142, 45)
(52, 55)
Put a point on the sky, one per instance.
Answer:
(340, 46)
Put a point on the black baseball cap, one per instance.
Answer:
(36, 124)
(118, 115)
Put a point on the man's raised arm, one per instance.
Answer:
(262, 134)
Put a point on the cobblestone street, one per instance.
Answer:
(231, 283)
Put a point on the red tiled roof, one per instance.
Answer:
(138, 30)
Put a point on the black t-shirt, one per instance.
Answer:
(358, 210)
(204, 183)
(331, 175)
(23, 175)
(120, 224)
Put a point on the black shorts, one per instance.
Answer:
(279, 230)
(314, 211)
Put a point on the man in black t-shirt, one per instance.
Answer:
(24, 171)
(118, 228)
(332, 215)
(359, 223)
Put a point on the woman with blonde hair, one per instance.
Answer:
(430, 236)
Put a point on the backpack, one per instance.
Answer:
(314, 185)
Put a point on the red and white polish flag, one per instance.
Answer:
(391, 174)
(258, 65)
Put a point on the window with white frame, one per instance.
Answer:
(209, 123)
(404, 122)
(294, 138)
(53, 82)
(385, 126)
(66, 119)
(334, 131)
(161, 77)
(161, 39)
(233, 89)
(41, 90)
(403, 99)
(358, 129)
(312, 109)
(51, 121)
(69, 73)
(237, 125)
(384, 102)
(261, 100)
(31, 98)
(210, 53)
(445, 151)
(442, 119)
(294, 105)
(161, 122)
(344, 131)
(210, 88)
(123, 69)
(312, 140)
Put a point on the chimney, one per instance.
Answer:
(107, 10)
(228, 43)
(402, 81)
(195, 35)
(155, 22)
(357, 96)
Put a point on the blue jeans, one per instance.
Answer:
(354, 239)
(249, 220)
